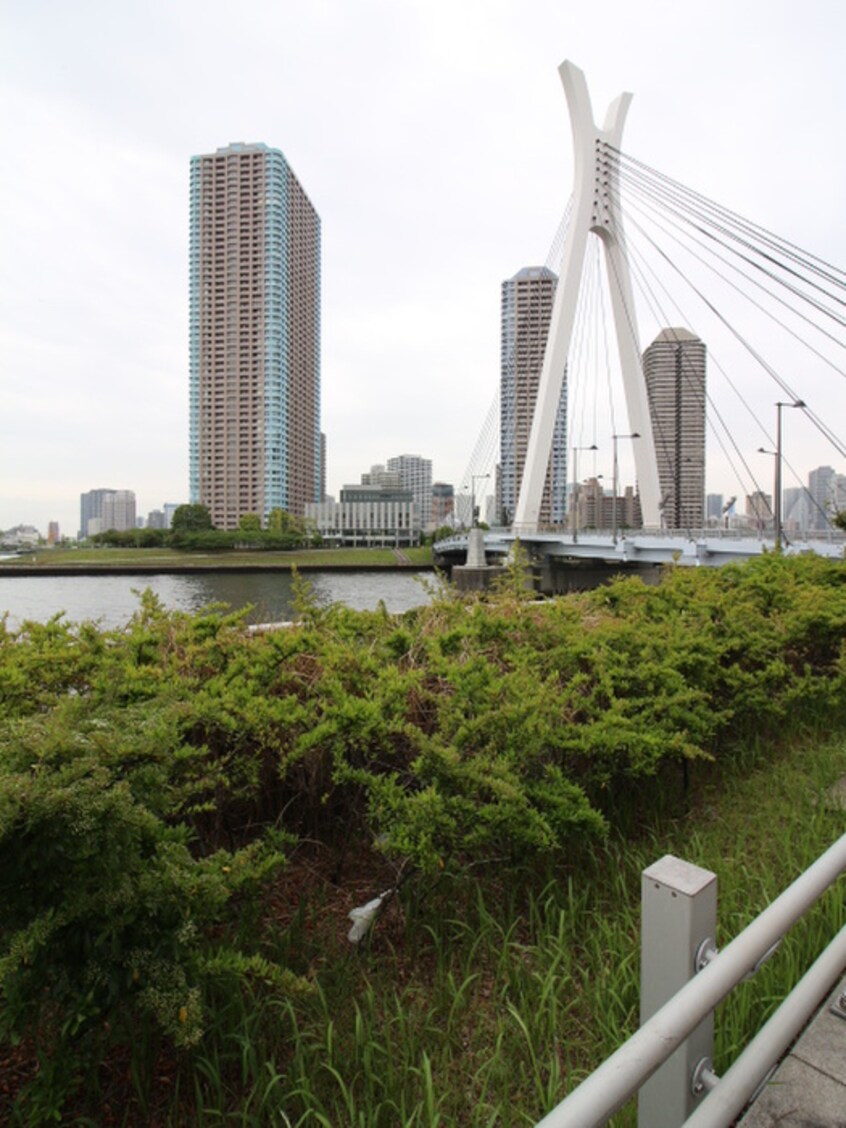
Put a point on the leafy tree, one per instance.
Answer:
(208, 540)
(191, 518)
(250, 523)
(149, 538)
(131, 538)
(840, 519)
(153, 538)
(442, 533)
(281, 521)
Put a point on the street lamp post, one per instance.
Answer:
(774, 506)
(575, 501)
(633, 435)
(777, 507)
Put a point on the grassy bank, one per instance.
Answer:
(161, 559)
(484, 1005)
(189, 813)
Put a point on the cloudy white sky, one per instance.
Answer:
(432, 137)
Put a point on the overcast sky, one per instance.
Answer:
(432, 136)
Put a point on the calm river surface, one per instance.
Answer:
(112, 600)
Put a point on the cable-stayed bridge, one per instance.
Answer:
(774, 320)
(640, 547)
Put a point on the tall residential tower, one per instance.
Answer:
(674, 371)
(91, 509)
(527, 300)
(254, 336)
(415, 474)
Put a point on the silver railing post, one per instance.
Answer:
(678, 925)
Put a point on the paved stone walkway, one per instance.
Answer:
(808, 1090)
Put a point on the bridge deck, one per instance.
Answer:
(694, 548)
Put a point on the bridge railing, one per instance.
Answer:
(668, 1059)
(828, 536)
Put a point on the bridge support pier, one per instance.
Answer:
(545, 572)
(476, 574)
(557, 576)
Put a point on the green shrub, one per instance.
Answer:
(151, 777)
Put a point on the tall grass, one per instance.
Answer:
(485, 1003)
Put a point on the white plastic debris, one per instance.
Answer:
(363, 916)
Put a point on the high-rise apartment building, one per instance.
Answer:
(255, 336)
(713, 508)
(822, 491)
(443, 503)
(759, 510)
(415, 474)
(526, 311)
(322, 461)
(103, 509)
(795, 509)
(91, 509)
(378, 476)
(119, 510)
(674, 371)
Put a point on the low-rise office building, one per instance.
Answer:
(368, 516)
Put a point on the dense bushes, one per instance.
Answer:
(207, 540)
(150, 778)
(191, 530)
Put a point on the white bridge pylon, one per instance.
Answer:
(596, 210)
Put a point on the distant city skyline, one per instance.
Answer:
(439, 163)
(806, 509)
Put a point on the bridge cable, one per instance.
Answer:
(782, 383)
(816, 421)
(707, 234)
(755, 282)
(811, 262)
(645, 287)
(692, 383)
(824, 429)
(657, 426)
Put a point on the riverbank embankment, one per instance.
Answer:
(192, 569)
(124, 562)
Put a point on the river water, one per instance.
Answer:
(112, 600)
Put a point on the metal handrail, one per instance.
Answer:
(620, 1076)
(752, 1068)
